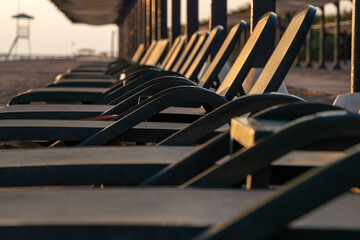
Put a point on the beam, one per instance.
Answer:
(148, 23)
(259, 8)
(322, 39)
(218, 13)
(154, 20)
(192, 16)
(132, 26)
(163, 19)
(120, 42)
(337, 37)
(355, 48)
(218, 16)
(308, 49)
(144, 23)
(345, 47)
(175, 19)
(139, 22)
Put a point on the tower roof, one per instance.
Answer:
(23, 15)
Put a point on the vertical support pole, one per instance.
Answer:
(322, 39)
(135, 25)
(192, 9)
(278, 30)
(308, 49)
(247, 32)
(345, 47)
(355, 47)
(337, 37)
(112, 41)
(259, 8)
(218, 16)
(218, 13)
(125, 27)
(154, 20)
(119, 41)
(243, 37)
(175, 19)
(144, 22)
(163, 19)
(139, 21)
(148, 23)
(297, 61)
(131, 30)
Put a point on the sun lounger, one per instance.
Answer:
(201, 168)
(117, 65)
(193, 213)
(140, 51)
(288, 47)
(90, 95)
(135, 70)
(239, 70)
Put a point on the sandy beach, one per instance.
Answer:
(310, 84)
(19, 76)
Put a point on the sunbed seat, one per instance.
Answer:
(146, 213)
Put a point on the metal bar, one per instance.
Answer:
(148, 23)
(192, 9)
(112, 44)
(337, 37)
(218, 16)
(308, 49)
(259, 8)
(163, 19)
(322, 39)
(131, 30)
(345, 47)
(297, 61)
(139, 19)
(143, 22)
(355, 47)
(154, 20)
(127, 36)
(175, 19)
(120, 41)
(218, 13)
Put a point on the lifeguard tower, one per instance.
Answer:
(22, 31)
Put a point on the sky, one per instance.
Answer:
(52, 33)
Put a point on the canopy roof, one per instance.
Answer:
(98, 12)
(95, 12)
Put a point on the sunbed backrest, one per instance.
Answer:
(159, 52)
(138, 53)
(247, 57)
(193, 53)
(211, 43)
(176, 54)
(222, 56)
(283, 56)
(185, 54)
(148, 52)
(171, 51)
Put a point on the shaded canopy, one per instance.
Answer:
(98, 12)
(95, 12)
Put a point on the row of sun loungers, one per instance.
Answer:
(154, 147)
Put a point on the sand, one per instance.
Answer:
(19, 76)
(318, 85)
(310, 84)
